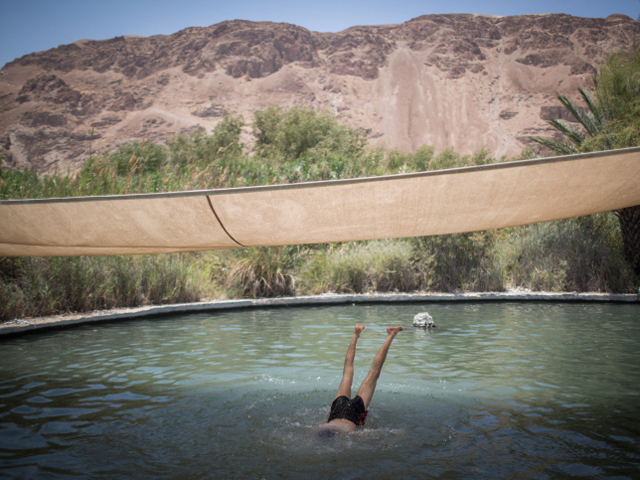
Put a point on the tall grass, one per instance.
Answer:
(47, 286)
(262, 272)
(462, 262)
(582, 254)
(361, 267)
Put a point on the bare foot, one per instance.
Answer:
(394, 330)
(358, 329)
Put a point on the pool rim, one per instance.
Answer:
(19, 327)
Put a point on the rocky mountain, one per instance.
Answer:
(462, 81)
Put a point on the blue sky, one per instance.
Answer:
(31, 25)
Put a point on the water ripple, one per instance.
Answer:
(497, 390)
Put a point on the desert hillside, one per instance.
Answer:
(462, 81)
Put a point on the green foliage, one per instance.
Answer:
(226, 136)
(266, 129)
(612, 121)
(288, 134)
(482, 157)
(46, 286)
(361, 267)
(419, 161)
(583, 254)
(201, 161)
(617, 90)
(617, 86)
(293, 146)
(262, 272)
(22, 184)
(142, 157)
(593, 123)
(461, 262)
(612, 116)
(447, 159)
(202, 149)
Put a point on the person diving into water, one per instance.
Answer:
(348, 413)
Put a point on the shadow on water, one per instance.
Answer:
(497, 391)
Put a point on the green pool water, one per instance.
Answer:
(498, 390)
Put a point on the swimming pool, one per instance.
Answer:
(497, 390)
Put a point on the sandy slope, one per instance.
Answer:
(462, 81)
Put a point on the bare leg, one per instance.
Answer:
(347, 373)
(369, 384)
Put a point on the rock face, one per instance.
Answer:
(461, 81)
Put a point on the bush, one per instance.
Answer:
(288, 134)
(46, 286)
(583, 254)
(461, 262)
(384, 266)
(202, 150)
(262, 272)
(139, 157)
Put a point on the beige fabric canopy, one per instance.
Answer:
(426, 203)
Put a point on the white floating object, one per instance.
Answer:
(423, 320)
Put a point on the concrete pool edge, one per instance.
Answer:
(33, 325)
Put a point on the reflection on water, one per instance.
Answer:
(497, 391)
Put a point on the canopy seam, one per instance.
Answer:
(222, 224)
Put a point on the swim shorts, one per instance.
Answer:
(352, 410)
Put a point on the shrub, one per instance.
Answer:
(45, 286)
(140, 157)
(262, 272)
(288, 134)
(202, 150)
(583, 254)
(461, 262)
(360, 267)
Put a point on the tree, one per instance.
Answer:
(226, 136)
(200, 148)
(617, 90)
(592, 121)
(290, 134)
(611, 120)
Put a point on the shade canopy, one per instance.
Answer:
(418, 204)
